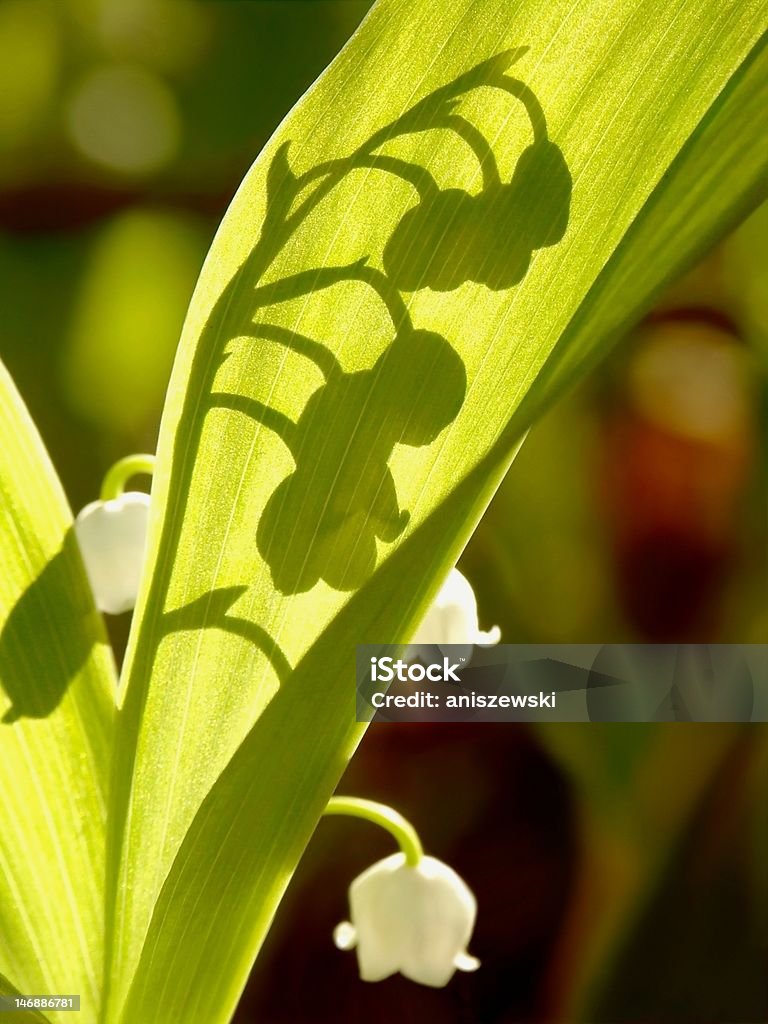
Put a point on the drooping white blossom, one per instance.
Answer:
(452, 618)
(413, 919)
(113, 537)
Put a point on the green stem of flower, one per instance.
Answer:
(122, 471)
(386, 817)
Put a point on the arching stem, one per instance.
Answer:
(119, 475)
(386, 817)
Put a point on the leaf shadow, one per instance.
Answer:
(342, 493)
(53, 597)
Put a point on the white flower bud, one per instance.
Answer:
(413, 919)
(113, 537)
(452, 617)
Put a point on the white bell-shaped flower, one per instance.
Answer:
(452, 618)
(113, 537)
(413, 919)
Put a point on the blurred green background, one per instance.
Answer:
(621, 870)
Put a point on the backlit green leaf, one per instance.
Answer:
(57, 683)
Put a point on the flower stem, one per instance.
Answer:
(122, 471)
(386, 817)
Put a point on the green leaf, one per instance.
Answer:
(57, 689)
(378, 322)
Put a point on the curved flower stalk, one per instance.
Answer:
(452, 619)
(409, 912)
(112, 535)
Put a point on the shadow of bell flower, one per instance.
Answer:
(451, 237)
(361, 504)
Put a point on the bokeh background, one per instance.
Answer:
(620, 870)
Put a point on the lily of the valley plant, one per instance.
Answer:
(410, 913)
(456, 221)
